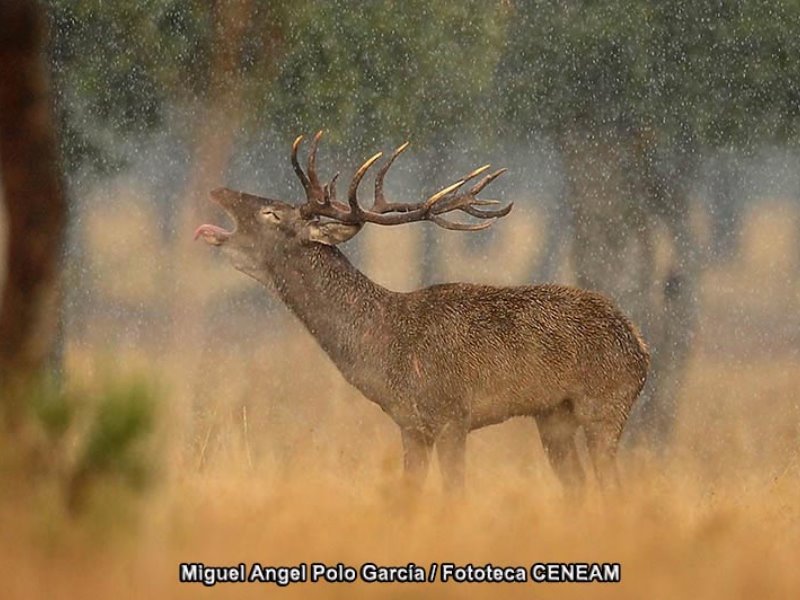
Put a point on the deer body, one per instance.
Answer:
(451, 358)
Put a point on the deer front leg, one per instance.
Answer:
(451, 447)
(416, 455)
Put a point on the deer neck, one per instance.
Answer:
(341, 307)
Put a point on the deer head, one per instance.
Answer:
(263, 225)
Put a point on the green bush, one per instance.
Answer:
(75, 442)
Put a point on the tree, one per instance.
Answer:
(35, 207)
(633, 92)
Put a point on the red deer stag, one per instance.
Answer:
(447, 359)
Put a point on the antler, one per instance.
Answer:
(321, 200)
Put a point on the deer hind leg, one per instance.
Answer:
(557, 430)
(451, 448)
(602, 439)
(603, 420)
(416, 456)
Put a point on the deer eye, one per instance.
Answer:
(269, 215)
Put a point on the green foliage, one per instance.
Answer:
(76, 442)
(53, 410)
(710, 71)
(416, 69)
(356, 69)
(124, 416)
(118, 66)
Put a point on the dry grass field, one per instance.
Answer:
(265, 454)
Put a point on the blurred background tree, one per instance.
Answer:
(36, 413)
(35, 207)
(635, 94)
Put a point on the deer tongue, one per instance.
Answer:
(212, 234)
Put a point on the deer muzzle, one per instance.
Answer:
(213, 234)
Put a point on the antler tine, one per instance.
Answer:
(330, 190)
(454, 187)
(474, 173)
(380, 204)
(315, 186)
(352, 193)
(445, 224)
(442, 193)
(297, 168)
(330, 195)
(475, 189)
(487, 214)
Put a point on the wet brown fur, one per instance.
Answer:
(451, 358)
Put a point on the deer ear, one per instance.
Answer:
(331, 233)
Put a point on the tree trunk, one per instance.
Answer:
(35, 206)
(558, 231)
(213, 142)
(674, 315)
(612, 242)
(725, 204)
(617, 197)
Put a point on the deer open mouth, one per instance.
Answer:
(214, 234)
